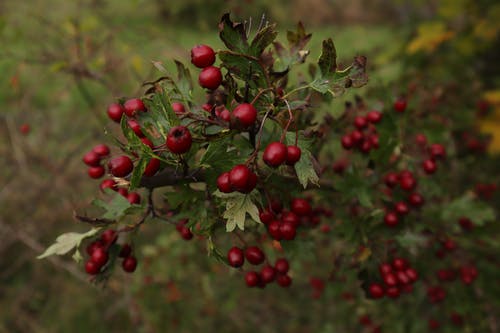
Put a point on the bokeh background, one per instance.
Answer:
(63, 61)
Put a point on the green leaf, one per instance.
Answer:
(238, 205)
(263, 39)
(411, 240)
(355, 186)
(66, 242)
(233, 34)
(116, 208)
(244, 67)
(327, 62)
(304, 167)
(138, 172)
(184, 81)
(467, 206)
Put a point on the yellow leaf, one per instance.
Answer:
(429, 36)
(364, 254)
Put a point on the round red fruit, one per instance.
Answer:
(281, 266)
(147, 142)
(400, 105)
(245, 115)
(120, 166)
(223, 183)
(429, 166)
(275, 154)
(407, 183)
(374, 117)
(266, 216)
(101, 149)
(347, 142)
(152, 167)
(267, 274)
(92, 268)
(178, 108)
(293, 154)
(391, 179)
(134, 198)
(125, 251)
(401, 208)
(132, 106)
(115, 112)
(252, 279)
(284, 281)
(393, 292)
(391, 219)
(288, 230)
(376, 290)
(399, 264)
(437, 151)
(301, 207)
(274, 229)
(136, 127)
(254, 255)
(109, 236)
(360, 122)
(202, 56)
(210, 78)
(96, 172)
(179, 140)
(235, 257)
(99, 256)
(416, 200)
(129, 264)
(238, 177)
(92, 159)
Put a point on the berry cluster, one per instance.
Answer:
(183, 230)
(93, 160)
(240, 179)
(203, 56)
(364, 137)
(276, 153)
(397, 277)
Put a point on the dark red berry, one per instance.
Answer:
(245, 115)
(120, 166)
(357, 137)
(179, 140)
(392, 292)
(267, 274)
(281, 266)
(429, 166)
(274, 229)
(134, 198)
(92, 268)
(366, 146)
(347, 141)
(284, 281)
(101, 149)
(135, 127)
(360, 122)
(466, 224)
(391, 179)
(301, 207)
(385, 268)
(109, 236)
(251, 183)
(235, 257)
(92, 159)
(400, 105)
(374, 117)
(123, 192)
(420, 139)
(186, 234)
(391, 219)
(132, 106)
(288, 230)
(416, 200)
(399, 264)
(25, 129)
(178, 108)
(275, 154)
(411, 274)
(210, 77)
(238, 177)
(94, 245)
(376, 290)
(401, 208)
(390, 279)
(147, 142)
(96, 172)
(402, 277)
(129, 264)
(437, 151)
(407, 183)
(254, 255)
(115, 112)
(99, 256)
(152, 167)
(125, 251)
(290, 217)
(223, 183)
(266, 216)
(252, 279)
(202, 56)
(225, 115)
(293, 154)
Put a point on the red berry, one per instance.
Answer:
(186, 234)
(284, 281)
(129, 264)
(281, 266)
(301, 207)
(266, 216)
(437, 151)
(96, 172)
(391, 219)
(267, 274)
(134, 198)
(466, 224)
(109, 236)
(290, 217)
(94, 245)
(399, 264)
(101, 149)
(178, 108)
(225, 115)
(147, 142)
(99, 256)
(202, 56)
(376, 290)
(411, 274)
(366, 146)
(238, 177)
(384, 268)
(152, 167)
(251, 183)
(274, 229)
(390, 279)
(210, 78)
(252, 279)
(25, 129)
(420, 139)
(115, 112)
(429, 166)
(92, 268)
(275, 154)
(92, 159)
(293, 154)
(360, 122)
(179, 140)
(391, 179)
(245, 115)
(402, 277)
(288, 230)
(235, 257)
(357, 136)
(123, 192)
(400, 105)
(401, 208)
(125, 251)
(347, 141)
(223, 183)
(254, 255)
(416, 200)
(120, 166)
(374, 140)
(407, 183)
(374, 117)
(135, 127)
(393, 292)
(133, 105)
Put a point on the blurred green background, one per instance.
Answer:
(62, 62)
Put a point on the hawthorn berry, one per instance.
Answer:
(147, 142)
(123, 191)
(92, 268)
(391, 219)
(290, 217)
(129, 264)
(429, 166)
(360, 122)
(25, 129)
(239, 176)
(374, 117)
(92, 159)
(125, 251)
(391, 179)
(109, 236)
(235, 257)
(274, 229)
(411, 274)
(437, 151)
(415, 199)
(135, 127)
(267, 274)
(421, 139)
(178, 108)
(152, 167)
(407, 183)
(347, 142)
(251, 183)
(202, 56)
(301, 207)
(254, 255)
(266, 216)
(115, 112)
(284, 281)
(210, 77)
(134, 198)
(390, 279)
(223, 183)
(179, 140)
(96, 171)
(376, 290)
(120, 166)
(252, 279)
(399, 264)
(393, 292)
(186, 234)
(99, 256)
(293, 154)
(132, 106)
(244, 114)
(275, 154)
(225, 115)
(400, 105)
(281, 266)
(288, 230)
(94, 245)
(385, 268)
(401, 208)
(357, 137)
(101, 149)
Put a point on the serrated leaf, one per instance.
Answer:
(327, 62)
(233, 34)
(135, 179)
(238, 205)
(184, 81)
(467, 206)
(116, 208)
(66, 242)
(304, 168)
(263, 39)
(243, 67)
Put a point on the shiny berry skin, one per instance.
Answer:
(109, 236)
(385, 268)
(223, 183)
(238, 177)
(284, 281)
(267, 274)
(391, 219)
(374, 117)
(225, 115)
(293, 154)
(101, 149)
(147, 142)
(274, 229)
(120, 166)
(416, 200)
(92, 268)
(429, 166)
(399, 264)
(401, 208)
(347, 142)
(360, 122)
(288, 230)
(245, 115)
(437, 151)
(251, 183)
(152, 167)
(254, 255)
(136, 127)
(186, 234)
(99, 257)
(179, 140)
(392, 292)
(275, 154)
(366, 146)
(91, 158)
(123, 191)
(391, 179)
(115, 112)
(252, 279)
(235, 257)
(402, 277)
(376, 290)
(300, 207)
(400, 105)
(132, 106)
(210, 78)
(390, 279)
(407, 183)
(94, 245)
(411, 274)
(125, 251)
(129, 264)
(178, 108)
(357, 137)
(134, 198)
(96, 172)
(374, 140)
(290, 217)
(266, 216)
(202, 56)
(281, 266)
